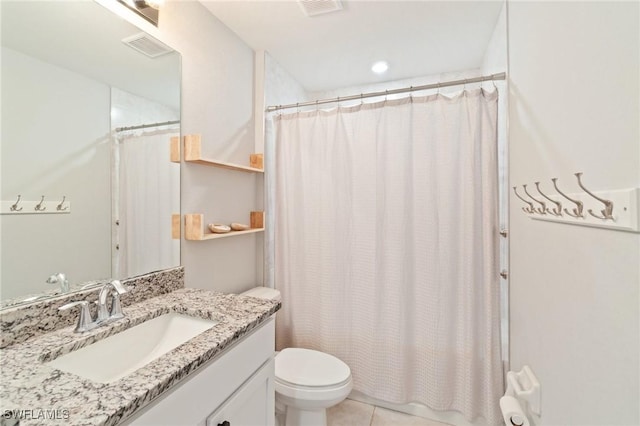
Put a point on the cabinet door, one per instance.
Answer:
(253, 404)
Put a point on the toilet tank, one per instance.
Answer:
(263, 293)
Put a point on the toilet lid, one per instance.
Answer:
(306, 367)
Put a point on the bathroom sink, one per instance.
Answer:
(117, 356)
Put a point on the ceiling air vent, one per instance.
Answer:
(319, 7)
(147, 45)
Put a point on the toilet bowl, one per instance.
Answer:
(307, 382)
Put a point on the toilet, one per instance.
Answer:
(307, 382)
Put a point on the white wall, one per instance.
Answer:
(217, 102)
(280, 87)
(73, 116)
(574, 106)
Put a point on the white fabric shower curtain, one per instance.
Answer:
(148, 193)
(386, 246)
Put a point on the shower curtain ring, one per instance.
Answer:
(438, 91)
(386, 93)
(411, 93)
(361, 99)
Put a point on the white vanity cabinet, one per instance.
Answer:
(236, 388)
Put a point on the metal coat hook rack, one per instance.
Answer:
(577, 210)
(619, 209)
(607, 213)
(557, 210)
(531, 208)
(21, 206)
(543, 206)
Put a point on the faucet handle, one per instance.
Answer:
(116, 306)
(85, 322)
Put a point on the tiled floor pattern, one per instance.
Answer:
(354, 413)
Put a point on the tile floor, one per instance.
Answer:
(354, 413)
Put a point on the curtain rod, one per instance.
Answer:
(499, 76)
(144, 126)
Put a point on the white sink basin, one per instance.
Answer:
(116, 356)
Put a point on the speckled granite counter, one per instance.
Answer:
(26, 381)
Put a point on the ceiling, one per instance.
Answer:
(337, 49)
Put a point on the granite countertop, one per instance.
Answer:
(27, 383)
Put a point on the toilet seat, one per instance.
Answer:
(309, 368)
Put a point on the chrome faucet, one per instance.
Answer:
(116, 289)
(104, 315)
(61, 279)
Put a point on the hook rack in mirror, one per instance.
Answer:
(42, 206)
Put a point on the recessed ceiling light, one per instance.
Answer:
(380, 67)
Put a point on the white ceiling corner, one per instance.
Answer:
(337, 49)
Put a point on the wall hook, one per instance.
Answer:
(578, 210)
(557, 211)
(543, 210)
(529, 209)
(14, 207)
(59, 206)
(607, 212)
(39, 207)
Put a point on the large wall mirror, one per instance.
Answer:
(89, 107)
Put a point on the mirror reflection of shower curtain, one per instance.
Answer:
(146, 194)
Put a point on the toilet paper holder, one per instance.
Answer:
(524, 385)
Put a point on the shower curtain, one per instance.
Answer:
(386, 246)
(148, 193)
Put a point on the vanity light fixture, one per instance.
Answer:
(380, 67)
(148, 9)
(155, 4)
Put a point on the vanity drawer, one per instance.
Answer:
(192, 400)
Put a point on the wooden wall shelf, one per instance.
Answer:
(196, 230)
(193, 154)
